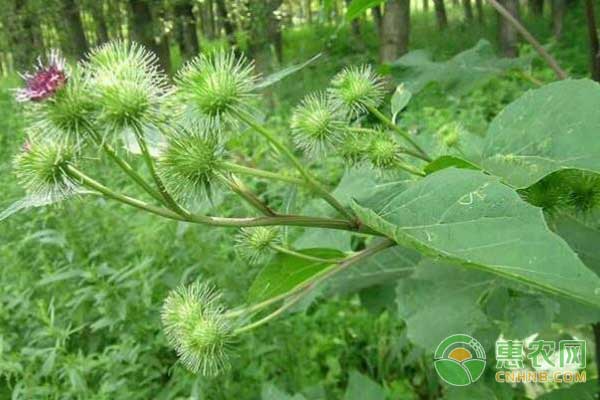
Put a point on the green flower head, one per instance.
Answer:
(68, 113)
(356, 89)
(384, 152)
(189, 163)
(254, 244)
(317, 125)
(214, 87)
(40, 169)
(196, 327)
(126, 84)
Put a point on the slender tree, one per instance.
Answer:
(377, 17)
(440, 14)
(72, 20)
(468, 9)
(480, 12)
(593, 38)
(507, 34)
(226, 21)
(536, 7)
(143, 31)
(426, 5)
(395, 30)
(186, 28)
(559, 8)
(207, 18)
(264, 32)
(96, 8)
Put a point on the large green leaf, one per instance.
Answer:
(387, 266)
(545, 130)
(285, 272)
(469, 218)
(459, 75)
(361, 387)
(441, 300)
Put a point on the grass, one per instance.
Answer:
(82, 283)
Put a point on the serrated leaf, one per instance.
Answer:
(357, 7)
(440, 301)
(460, 74)
(285, 272)
(466, 217)
(547, 129)
(284, 73)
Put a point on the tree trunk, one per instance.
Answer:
(593, 38)
(265, 33)
(559, 7)
(228, 26)
(440, 14)
(206, 19)
(480, 13)
(187, 34)
(355, 23)
(536, 7)
(468, 8)
(377, 18)
(72, 19)
(426, 5)
(97, 10)
(507, 33)
(142, 31)
(308, 10)
(395, 30)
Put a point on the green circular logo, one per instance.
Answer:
(459, 360)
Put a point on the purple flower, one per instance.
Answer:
(45, 80)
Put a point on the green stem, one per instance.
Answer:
(124, 165)
(293, 253)
(245, 193)
(285, 220)
(167, 199)
(97, 186)
(410, 169)
(385, 120)
(310, 180)
(231, 167)
(300, 291)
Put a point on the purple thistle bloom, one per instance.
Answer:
(45, 80)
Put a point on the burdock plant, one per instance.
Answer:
(119, 89)
(83, 110)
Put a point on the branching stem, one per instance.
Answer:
(284, 220)
(388, 122)
(302, 290)
(310, 180)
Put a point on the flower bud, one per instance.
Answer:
(127, 85)
(189, 163)
(196, 327)
(384, 152)
(254, 244)
(353, 148)
(316, 124)
(40, 169)
(355, 89)
(45, 80)
(213, 87)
